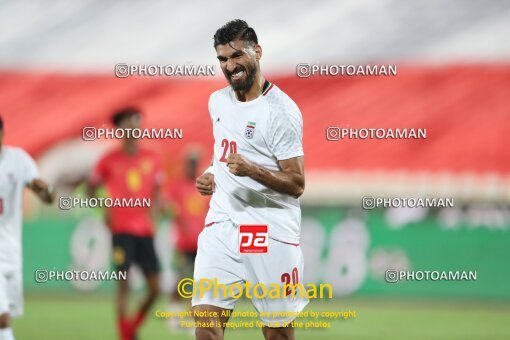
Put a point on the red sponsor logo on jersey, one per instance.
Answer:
(253, 238)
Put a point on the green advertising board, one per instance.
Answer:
(349, 248)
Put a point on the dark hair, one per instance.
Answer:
(235, 29)
(120, 115)
(1, 123)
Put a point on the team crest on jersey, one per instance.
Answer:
(250, 130)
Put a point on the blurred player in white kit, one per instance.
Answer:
(256, 178)
(17, 171)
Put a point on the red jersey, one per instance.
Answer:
(190, 215)
(129, 176)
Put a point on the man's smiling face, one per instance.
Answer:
(238, 61)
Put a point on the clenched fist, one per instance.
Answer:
(239, 165)
(205, 184)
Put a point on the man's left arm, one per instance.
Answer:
(290, 179)
(30, 176)
(284, 139)
(42, 190)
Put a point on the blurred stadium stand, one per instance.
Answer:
(463, 147)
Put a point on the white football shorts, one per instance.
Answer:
(219, 258)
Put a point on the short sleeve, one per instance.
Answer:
(285, 136)
(29, 168)
(210, 105)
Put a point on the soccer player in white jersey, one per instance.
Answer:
(17, 171)
(256, 178)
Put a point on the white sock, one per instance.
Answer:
(6, 334)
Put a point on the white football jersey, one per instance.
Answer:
(264, 130)
(17, 169)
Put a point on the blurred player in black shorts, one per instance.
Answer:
(131, 172)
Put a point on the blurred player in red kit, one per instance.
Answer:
(189, 208)
(131, 172)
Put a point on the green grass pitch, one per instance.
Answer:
(85, 317)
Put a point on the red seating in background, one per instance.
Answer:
(465, 109)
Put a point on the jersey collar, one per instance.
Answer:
(266, 88)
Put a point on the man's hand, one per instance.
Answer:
(205, 184)
(239, 165)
